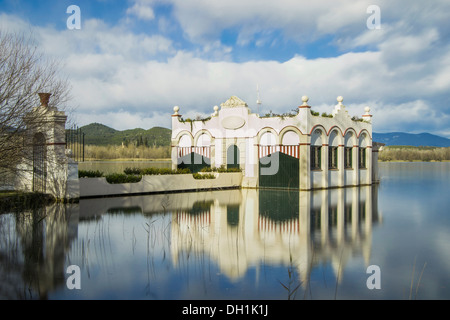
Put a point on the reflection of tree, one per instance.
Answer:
(34, 263)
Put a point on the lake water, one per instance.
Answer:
(240, 244)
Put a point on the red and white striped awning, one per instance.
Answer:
(291, 150)
(204, 151)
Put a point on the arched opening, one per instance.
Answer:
(316, 150)
(39, 163)
(195, 158)
(333, 144)
(279, 164)
(362, 152)
(233, 156)
(348, 150)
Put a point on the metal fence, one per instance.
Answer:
(75, 143)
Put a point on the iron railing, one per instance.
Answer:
(75, 143)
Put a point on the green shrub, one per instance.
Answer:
(183, 171)
(89, 174)
(122, 178)
(222, 169)
(155, 171)
(203, 176)
(132, 171)
(234, 170)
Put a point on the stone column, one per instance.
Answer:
(324, 165)
(305, 148)
(61, 172)
(341, 167)
(174, 144)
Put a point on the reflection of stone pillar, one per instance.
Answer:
(355, 213)
(305, 235)
(46, 235)
(324, 217)
(367, 245)
(340, 216)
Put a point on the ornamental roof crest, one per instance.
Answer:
(233, 102)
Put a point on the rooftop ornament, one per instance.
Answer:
(216, 111)
(305, 101)
(175, 111)
(44, 97)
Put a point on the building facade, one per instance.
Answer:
(300, 150)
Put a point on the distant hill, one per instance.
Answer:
(411, 139)
(101, 135)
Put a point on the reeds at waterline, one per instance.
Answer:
(113, 152)
(409, 153)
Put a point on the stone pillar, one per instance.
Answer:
(324, 165)
(355, 163)
(174, 144)
(305, 148)
(376, 147)
(61, 172)
(341, 167)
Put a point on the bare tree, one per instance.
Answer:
(24, 72)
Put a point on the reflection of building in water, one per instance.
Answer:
(278, 228)
(33, 266)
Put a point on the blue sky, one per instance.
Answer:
(132, 61)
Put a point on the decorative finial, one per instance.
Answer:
(367, 116)
(340, 99)
(216, 110)
(305, 100)
(45, 97)
(175, 110)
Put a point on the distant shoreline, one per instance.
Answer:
(126, 159)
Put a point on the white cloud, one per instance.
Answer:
(404, 77)
(142, 11)
(299, 20)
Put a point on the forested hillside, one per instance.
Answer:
(101, 135)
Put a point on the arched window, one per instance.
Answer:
(362, 153)
(333, 150)
(348, 150)
(316, 150)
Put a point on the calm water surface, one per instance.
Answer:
(240, 244)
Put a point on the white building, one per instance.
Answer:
(302, 151)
